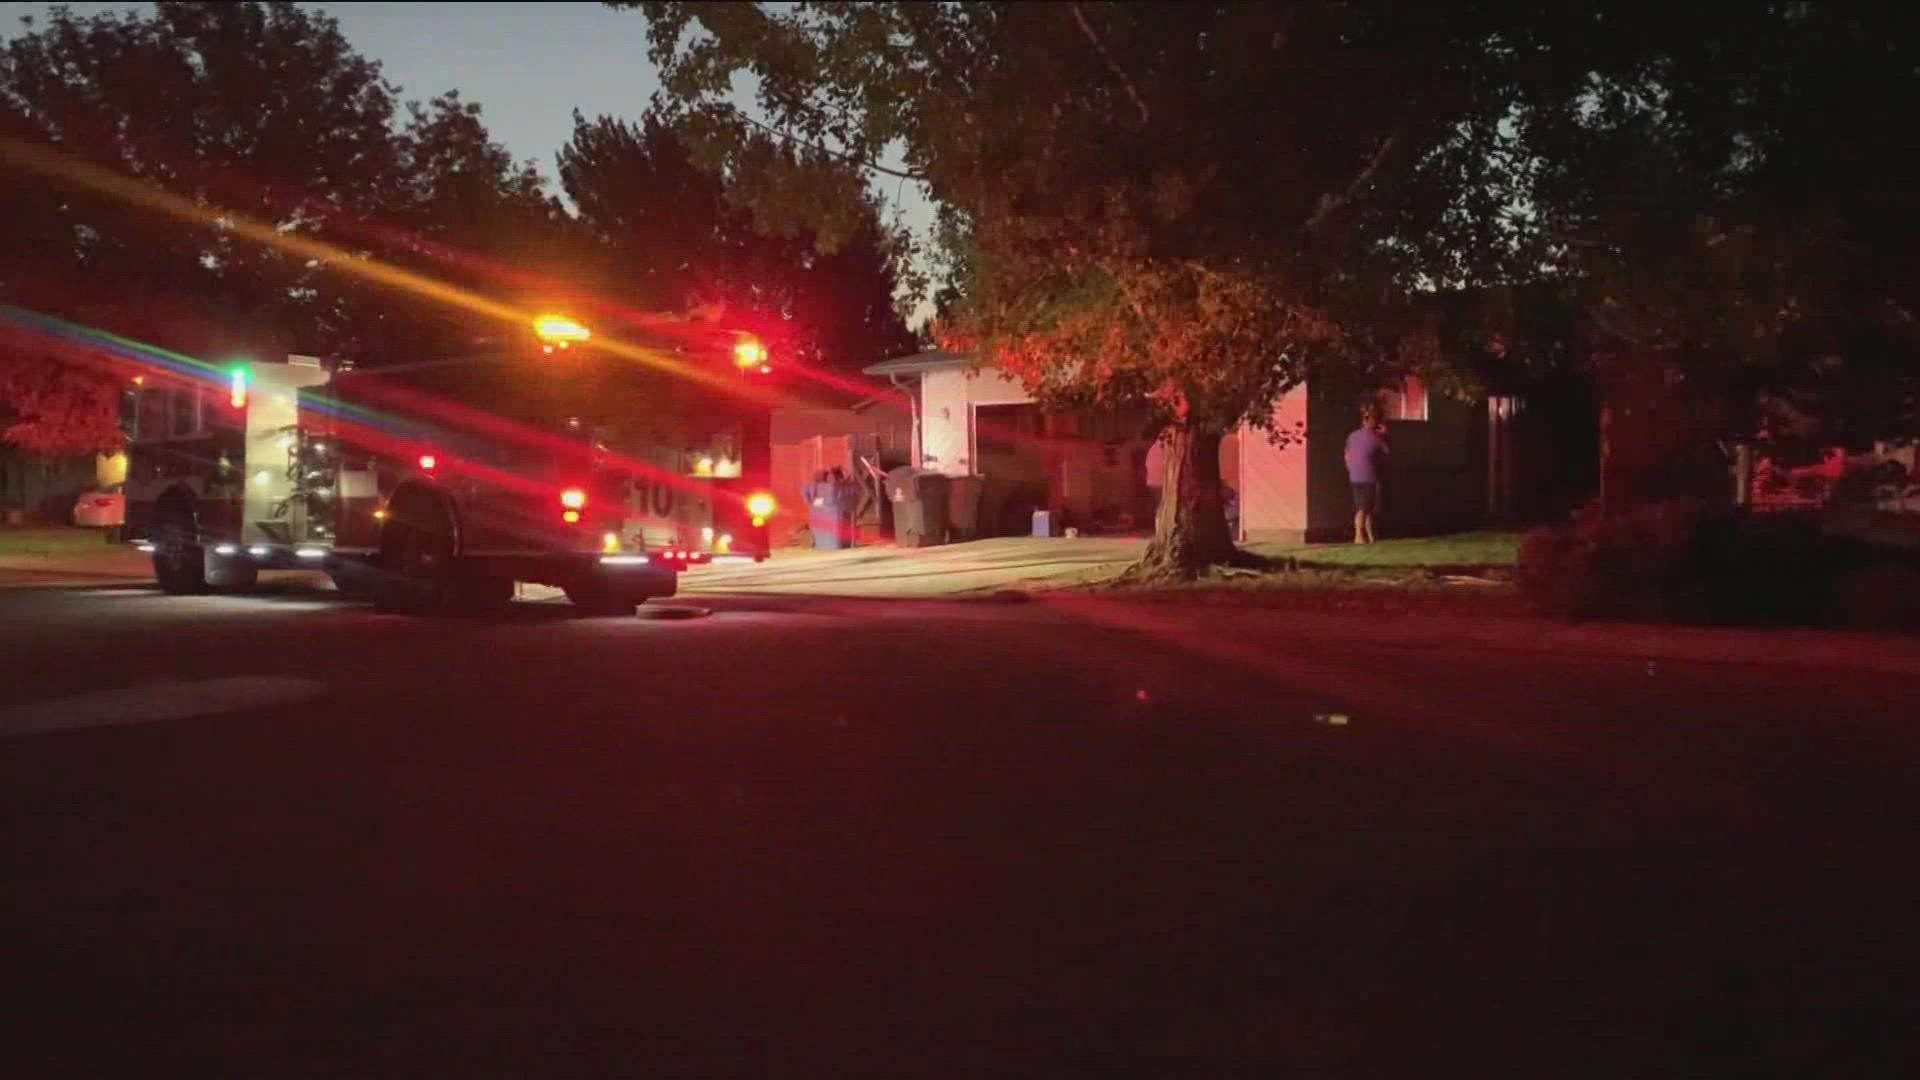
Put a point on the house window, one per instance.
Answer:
(1408, 401)
(186, 413)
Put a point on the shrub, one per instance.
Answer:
(1685, 561)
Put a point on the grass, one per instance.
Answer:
(1466, 573)
(1373, 590)
(54, 543)
(1459, 550)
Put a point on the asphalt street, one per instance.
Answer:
(286, 835)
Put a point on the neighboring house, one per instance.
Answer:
(1456, 465)
(46, 489)
(968, 420)
(1884, 480)
(1452, 464)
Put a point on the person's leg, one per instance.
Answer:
(1367, 523)
(1359, 526)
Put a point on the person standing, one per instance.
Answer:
(846, 504)
(1366, 465)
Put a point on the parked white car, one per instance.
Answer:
(101, 508)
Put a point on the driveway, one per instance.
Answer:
(981, 566)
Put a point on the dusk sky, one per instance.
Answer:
(529, 65)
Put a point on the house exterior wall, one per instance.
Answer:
(1271, 480)
(943, 422)
(1330, 417)
(887, 419)
(1436, 476)
(947, 398)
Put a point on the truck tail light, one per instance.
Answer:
(428, 462)
(573, 499)
(761, 506)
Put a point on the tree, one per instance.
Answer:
(1191, 205)
(250, 112)
(1739, 218)
(460, 209)
(259, 110)
(674, 236)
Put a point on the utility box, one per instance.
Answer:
(1046, 523)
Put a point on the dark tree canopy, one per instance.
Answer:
(1736, 192)
(673, 235)
(260, 114)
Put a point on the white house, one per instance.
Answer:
(1452, 459)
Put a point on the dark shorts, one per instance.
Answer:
(1366, 498)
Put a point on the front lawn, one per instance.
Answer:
(1472, 549)
(1466, 573)
(54, 543)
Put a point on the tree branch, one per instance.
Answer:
(851, 159)
(1330, 204)
(1133, 92)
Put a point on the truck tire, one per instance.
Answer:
(179, 562)
(420, 574)
(417, 563)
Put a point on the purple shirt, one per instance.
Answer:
(1366, 456)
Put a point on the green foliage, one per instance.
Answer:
(1684, 560)
(462, 211)
(1727, 189)
(51, 409)
(260, 112)
(672, 236)
(1193, 204)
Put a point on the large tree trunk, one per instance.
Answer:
(1190, 529)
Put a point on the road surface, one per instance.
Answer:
(287, 836)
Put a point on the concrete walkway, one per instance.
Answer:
(982, 566)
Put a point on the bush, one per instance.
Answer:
(1686, 561)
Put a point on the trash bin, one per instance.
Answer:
(919, 507)
(822, 514)
(963, 506)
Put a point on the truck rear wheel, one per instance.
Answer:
(418, 564)
(184, 566)
(179, 563)
(421, 575)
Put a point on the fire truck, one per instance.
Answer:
(438, 484)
